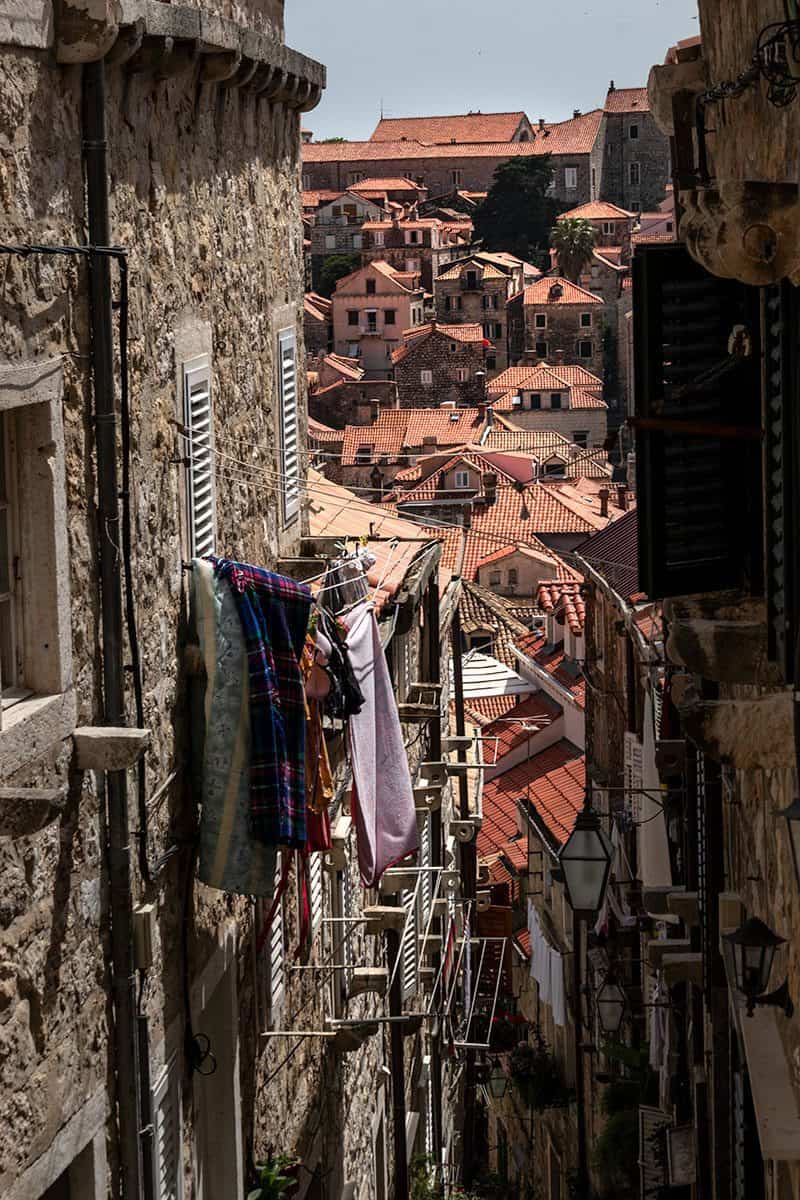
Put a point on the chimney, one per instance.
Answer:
(603, 494)
(489, 487)
(541, 122)
(429, 442)
(622, 497)
(631, 466)
(611, 87)
(489, 415)
(576, 112)
(558, 358)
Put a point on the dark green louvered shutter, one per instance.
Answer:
(698, 421)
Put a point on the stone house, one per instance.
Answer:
(337, 225)
(553, 316)
(473, 127)
(102, 913)
(476, 290)
(612, 226)
(635, 166)
(317, 325)
(371, 309)
(372, 455)
(441, 364)
(416, 244)
(574, 146)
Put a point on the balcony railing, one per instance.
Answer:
(370, 330)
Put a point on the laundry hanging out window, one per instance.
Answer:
(290, 449)
(198, 418)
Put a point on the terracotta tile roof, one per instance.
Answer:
(627, 100)
(395, 430)
(554, 661)
(649, 239)
(564, 596)
(523, 939)
(398, 183)
(488, 271)
(536, 709)
(627, 284)
(471, 332)
(480, 610)
(513, 378)
(317, 432)
(614, 554)
(575, 136)
(597, 210)
(553, 781)
(482, 710)
(470, 127)
(344, 366)
(335, 511)
(541, 293)
(317, 307)
(578, 398)
(508, 468)
(543, 444)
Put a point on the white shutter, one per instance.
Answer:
(344, 929)
(277, 964)
(315, 890)
(198, 418)
(425, 887)
(409, 948)
(290, 432)
(167, 1134)
(634, 774)
(652, 1166)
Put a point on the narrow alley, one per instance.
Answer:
(399, 601)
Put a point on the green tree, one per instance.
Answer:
(330, 141)
(517, 212)
(573, 241)
(335, 268)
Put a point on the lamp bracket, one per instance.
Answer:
(779, 998)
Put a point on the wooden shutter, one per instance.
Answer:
(290, 431)
(277, 958)
(167, 1134)
(410, 947)
(652, 1151)
(781, 332)
(698, 418)
(634, 774)
(198, 418)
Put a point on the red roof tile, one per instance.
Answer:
(614, 554)
(395, 429)
(554, 661)
(537, 709)
(470, 127)
(596, 210)
(396, 184)
(514, 377)
(555, 290)
(564, 596)
(649, 239)
(627, 100)
(317, 432)
(553, 781)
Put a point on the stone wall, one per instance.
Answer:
(566, 421)
(564, 332)
(444, 357)
(351, 403)
(204, 196)
(650, 150)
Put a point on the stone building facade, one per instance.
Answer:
(416, 244)
(476, 290)
(635, 168)
(371, 309)
(554, 316)
(337, 226)
(441, 364)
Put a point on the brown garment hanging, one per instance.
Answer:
(319, 784)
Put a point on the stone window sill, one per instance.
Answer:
(32, 727)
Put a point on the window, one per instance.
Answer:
(481, 640)
(584, 349)
(198, 419)
(364, 454)
(670, 227)
(378, 237)
(540, 321)
(330, 241)
(461, 479)
(354, 177)
(495, 301)
(633, 132)
(536, 400)
(290, 448)
(370, 320)
(456, 177)
(426, 378)
(570, 178)
(541, 349)
(447, 304)
(412, 237)
(352, 316)
(634, 174)
(412, 266)
(513, 577)
(498, 329)
(167, 1133)
(484, 302)
(306, 183)
(356, 239)
(594, 182)
(472, 280)
(608, 228)
(586, 320)
(353, 350)
(370, 287)
(494, 579)
(459, 303)
(555, 399)
(491, 360)
(462, 374)
(390, 316)
(580, 437)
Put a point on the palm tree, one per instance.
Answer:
(573, 240)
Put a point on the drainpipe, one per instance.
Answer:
(582, 1190)
(433, 674)
(119, 838)
(396, 1034)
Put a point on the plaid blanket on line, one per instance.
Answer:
(274, 614)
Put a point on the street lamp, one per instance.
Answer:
(498, 1082)
(611, 1004)
(753, 945)
(792, 815)
(585, 859)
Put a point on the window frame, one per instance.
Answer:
(461, 474)
(168, 1087)
(542, 349)
(540, 320)
(570, 173)
(352, 317)
(556, 401)
(585, 342)
(634, 168)
(390, 316)
(633, 131)
(585, 321)
(370, 287)
(426, 377)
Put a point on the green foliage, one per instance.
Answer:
(616, 1155)
(573, 240)
(330, 141)
(517, 212)
(273, 1181)
(537, 1076)
(424, 1183)
(335, 268)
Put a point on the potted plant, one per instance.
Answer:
(536, 1074)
